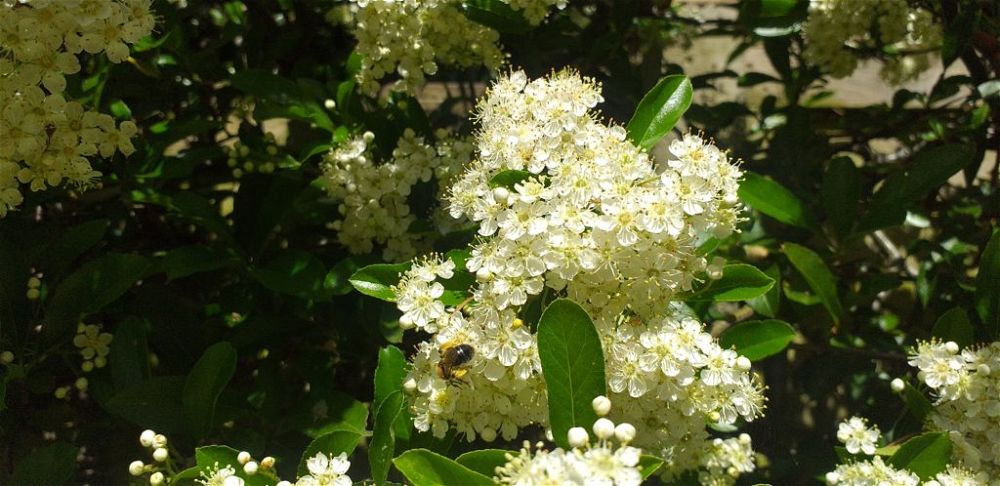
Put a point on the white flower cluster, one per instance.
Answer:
(587, 463)
(860, 438)
(840, 32)
(48, 140)
(857, 436)
(411, 37)
(592, 217)
(375, 196)
(967, 384)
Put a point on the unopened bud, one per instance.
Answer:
(604, 428)
(243, 457)
(250, 468)
(743, 363)
(146, 438)
(156, 479)
(6, 357)
(159, 440)
(624, 432)
(267, 462)
(897, 385)
(577, 437)
(602, 405)
(136, 468)
(160, 454)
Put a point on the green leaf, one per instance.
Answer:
(758, 339)
(296, 273)
(129, 356)
(648, 465)
(332, 444)
(774, 200)
(496, 15)
(389, 377)
(573, 366)
(818, 276)
(659, 110)
(924, 455)
(342, 412)
(738, 282)
(74, 242)
(51, 465)
(376, 280)
(337, 280)
(190, 260)
(988, 287)
(425, 468)
(154, 404)
(769, 304)
(485, 461)
(841, 192)
(918, 404)
(94, 285)
(954, 325)
(509, 178)
(383, 443)
(205, 383)
(930, 169)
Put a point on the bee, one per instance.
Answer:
(455, 361)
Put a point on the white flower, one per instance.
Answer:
(326, 470)
(857, 436)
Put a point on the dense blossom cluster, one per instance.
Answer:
(48, 140)
(967, 385)
(593, 217)
(861, 439)
(412, 37)
(587, 462)
(840, 32)
(374, 195)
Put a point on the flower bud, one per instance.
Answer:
(624, 432)
(6, 357)
(501, 194)
(488, 435)
(577, 437)
(160, 454)
(604, 428)
(602, 405)
(250, 468)
(267, 462)
(897, 385)
(951, 347)
(283, 483)
(81, 383)
(156, 479)
(743, 363)
(146, 438)
(159, 440)
(410, 385)
(243, 457)
(136, 468)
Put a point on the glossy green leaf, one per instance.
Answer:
(129, 356)
(295, 273)
(818, 276)
(485, 461)
(94, 285)
(954, 325)
(340, 412)
(929, 170)
(425, 468)
(648, 465)
(190, 260)
(154, 404)
(74, 242)
(924, 455)
(209, 376)
(389, 376)
(338, 279)
(509, 178)
(573, 365)
(774, 200)
(496, 15)
(659, 110)
(988, 287)
(383, 443)
(917, 402)
(52, 464)
(739, 282)
(841, 192)
(769, 304)
(758, 339)
(331, 444)
(376, 280)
